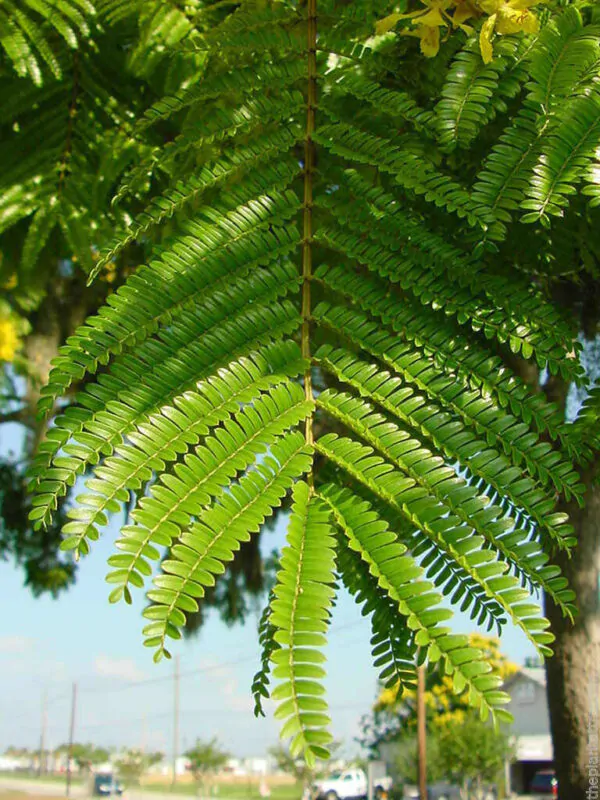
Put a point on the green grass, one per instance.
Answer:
(220, 791)
(232, 791)
(32, 775)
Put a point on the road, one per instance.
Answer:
(37, 788)
(32, 786)
(57, 789)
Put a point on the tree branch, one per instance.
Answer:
(13, 416)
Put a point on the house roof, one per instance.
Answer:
(535, 674)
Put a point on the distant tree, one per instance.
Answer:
(470, 752)
(205, 759)
(395, 712)
(404, 761)
(85, 756)
(88, 755)
(132, 764)
(17, 752)
(304, 774)
(461, 749)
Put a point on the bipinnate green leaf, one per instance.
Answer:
(300, 611)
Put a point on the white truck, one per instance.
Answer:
(349, 784)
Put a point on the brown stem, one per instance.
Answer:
(309, 163)
(66, 155)
(12, 416)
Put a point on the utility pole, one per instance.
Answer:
(421, 743)
(175, 719)
(71, 736)
(44, 722)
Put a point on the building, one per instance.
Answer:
(10, 763)
(531, 728)
(251, 766)
(532, 743)
(164, 768)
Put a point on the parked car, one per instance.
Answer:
(105, 785)
(349, 784)
(544, 783)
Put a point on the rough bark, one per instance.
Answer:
(572, 687)
(41, 346)
(572, 684)
(64, 307)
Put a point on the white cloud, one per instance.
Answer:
(215, 669)
(15, 644)
(234, 699)
(123, 668)
(225, 678)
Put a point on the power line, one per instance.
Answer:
(121, 721)
(164, 678)
(151, 681)
(196, 712)
(50, 702)
(197, 670)
(57, 697)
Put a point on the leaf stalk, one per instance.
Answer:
(309, 163)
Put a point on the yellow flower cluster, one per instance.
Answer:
(436, 16)
(441, 698)
(8, 339)
(457, 716)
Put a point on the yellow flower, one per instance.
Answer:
(387, 24)
(511, 20)
(506, 16)
(427, 22)
(494, 6)
(11, 281)
(8, 339)
(456, 717)
(110, 274)
(485, 39)
(388, 697)
(435, 7)
(431, 19)
(430, 39)
(464, 10)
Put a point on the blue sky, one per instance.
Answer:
(47, 644)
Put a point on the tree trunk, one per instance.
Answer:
(572, 673)
(41, 347)
(64, 307)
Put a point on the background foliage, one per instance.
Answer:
(394, 715)
(205, 758)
